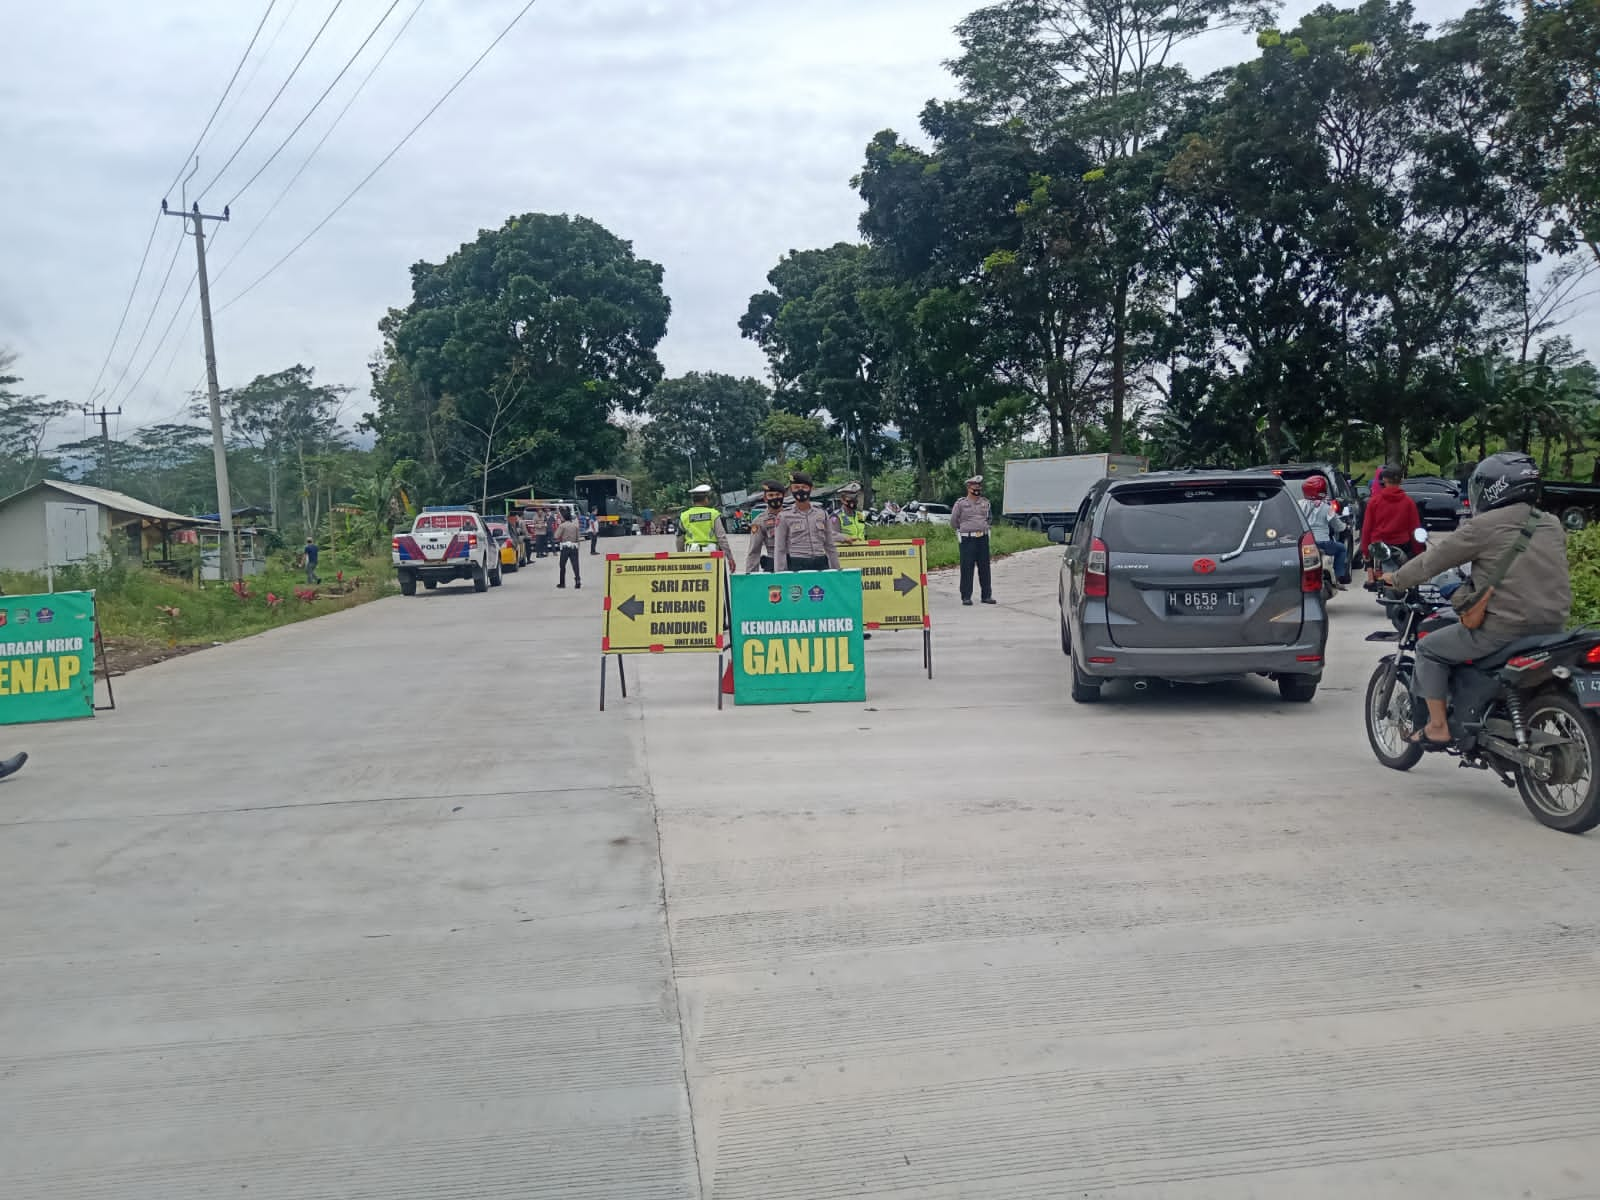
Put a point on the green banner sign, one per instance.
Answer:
(797, 638)
(46, 657)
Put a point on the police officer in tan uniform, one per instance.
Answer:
(765, 528)
(804, 539)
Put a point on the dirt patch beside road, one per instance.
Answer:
(129, 654)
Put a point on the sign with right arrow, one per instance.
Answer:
(894, 582)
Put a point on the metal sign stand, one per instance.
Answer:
(621, 678)
(724, 637)
(105, 668)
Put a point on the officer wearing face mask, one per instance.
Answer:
(969, 517)
(763, 530)
(804, 539)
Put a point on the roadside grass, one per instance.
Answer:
(1583, 564)
(944, 548)
(146, 608)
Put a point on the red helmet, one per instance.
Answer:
(1314, 488)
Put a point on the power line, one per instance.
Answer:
(165, 333)
(295, 70)
(150, 241)
(154, 305)
(300, 124)
(123, 320)
(261, 61)
(261, 24)
(439, 103)
(306, 162)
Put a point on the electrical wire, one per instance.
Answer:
(306, 162)
(165, 334)
(261, 24)
(276, 96)
(300, 124)
(156, 224)
(438, 104)
(123, 320)
(155, 304)
(261, 61)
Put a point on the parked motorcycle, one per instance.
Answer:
(1530, 713)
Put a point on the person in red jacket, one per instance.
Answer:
(1392, 516)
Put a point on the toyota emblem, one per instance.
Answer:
(1204, 566)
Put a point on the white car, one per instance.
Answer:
(926, 512)
(446, 544)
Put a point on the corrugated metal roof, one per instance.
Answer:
(116, 501)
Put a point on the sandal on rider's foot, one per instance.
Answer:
(1420, 738)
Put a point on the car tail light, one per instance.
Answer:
(394, 545)
(1310, 564)
(1593, 657)
(472, 541)
(1095, 581)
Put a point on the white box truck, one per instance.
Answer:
(1041, 492)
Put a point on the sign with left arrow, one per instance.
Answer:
(664, 604)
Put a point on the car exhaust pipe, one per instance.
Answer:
(1141, 685)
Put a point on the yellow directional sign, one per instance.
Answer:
(664, 604)
(894, 582)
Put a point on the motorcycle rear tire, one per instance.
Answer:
(1411, 755)
(1587, 813)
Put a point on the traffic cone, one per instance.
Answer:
(727, 680)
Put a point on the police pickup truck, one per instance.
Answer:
(446, 543)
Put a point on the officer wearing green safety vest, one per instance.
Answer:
(848, 522)
(700, 526)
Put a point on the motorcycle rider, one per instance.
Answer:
(1391, 517)
(1534, 597)
(1327, 526)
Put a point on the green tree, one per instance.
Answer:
(1104, 75)
(711, 421)
(1558, 95)
(824, 352)
(556, 311)
(293, 423)
(25, 423)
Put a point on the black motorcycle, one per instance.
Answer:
(1530, 712)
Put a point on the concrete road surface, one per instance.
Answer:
(380, 907)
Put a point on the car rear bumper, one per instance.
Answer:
(1305, 657)
(454, 570)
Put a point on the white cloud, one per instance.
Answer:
(715, 134)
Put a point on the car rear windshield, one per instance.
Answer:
(1206, 518)
(446, 521)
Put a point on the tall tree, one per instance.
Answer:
(1558, 93)
(707, 425)
(25, 423)
(556, 307)
(825, 354)
(292, 421)
(1106, 76)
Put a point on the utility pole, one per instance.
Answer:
(105, 441)
(229, 552)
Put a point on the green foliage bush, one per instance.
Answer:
(137, 602)
(944, 549)
(1583, 560)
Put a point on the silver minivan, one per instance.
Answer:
(1192, 576)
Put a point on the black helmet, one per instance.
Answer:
(1510, 477)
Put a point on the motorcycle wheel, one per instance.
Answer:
(1388, 728)
(1568, 799)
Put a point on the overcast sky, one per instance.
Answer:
(714, 134)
